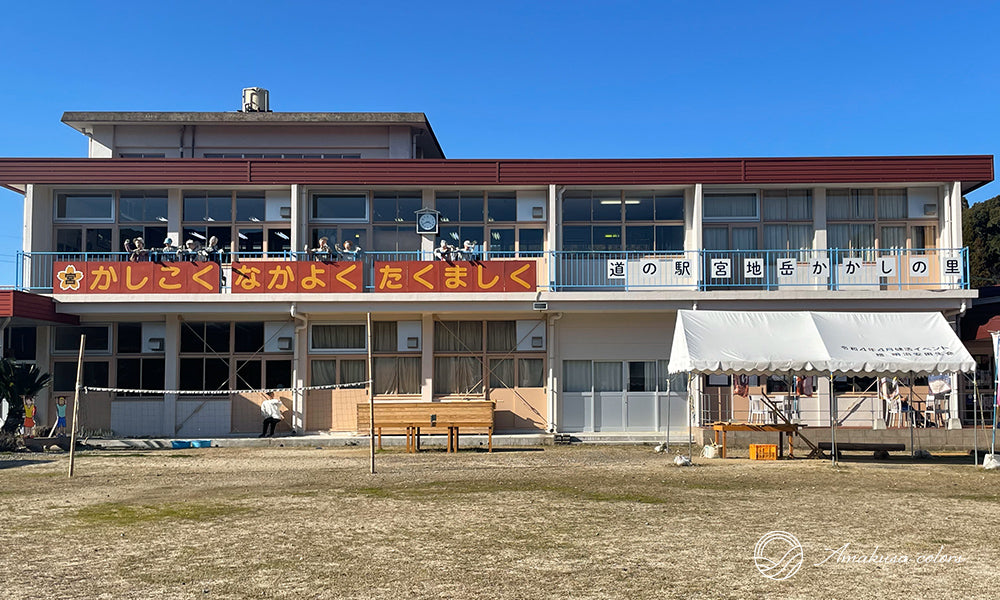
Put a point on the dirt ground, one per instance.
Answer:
(560, 522)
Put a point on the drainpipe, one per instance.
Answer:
(3, 330)
(552, 370)
(298, 400)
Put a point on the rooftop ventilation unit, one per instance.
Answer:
(255, 100)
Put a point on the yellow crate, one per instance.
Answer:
(763, 452)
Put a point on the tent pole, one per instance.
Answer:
(975, 430)
(833, 423)
(690, 418)
(666, 434)
(913, 416)
(993, 440)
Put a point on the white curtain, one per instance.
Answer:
(893, 237)
(608, 376)
(642, 376)
(732, 205)
(892, 204)
(838, 205)
(577, 376)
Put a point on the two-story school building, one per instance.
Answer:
(562, 314)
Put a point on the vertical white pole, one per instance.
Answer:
(76, 406)
(833, 423)
(371, 397)
(913, 416)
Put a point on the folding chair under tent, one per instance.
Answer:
(816, 343)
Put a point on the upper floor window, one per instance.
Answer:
(340, 207)
(142, 207)
(633, 220)
(731, 206)
(865, 218)
(396, 207)
(208, 206)
(90, 206)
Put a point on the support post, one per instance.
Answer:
(912, 417)
(371, 397)
(76, 406)
(833, 423)
(975, 430)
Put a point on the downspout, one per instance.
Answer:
(552, 370)
(3, 331)
(298, 400)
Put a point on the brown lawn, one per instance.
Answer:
(559, 522)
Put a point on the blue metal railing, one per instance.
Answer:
(831, 269)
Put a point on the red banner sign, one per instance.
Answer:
(459, 276)
(135, 278)
(297, 277)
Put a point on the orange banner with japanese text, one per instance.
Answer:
(106, 277)
(458, 276)
(297, 277)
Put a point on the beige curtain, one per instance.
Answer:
(338, 337)
(530, 372)
(384, 333)
(458, 336)
(458, 375)
(501, 336)
(324, 372)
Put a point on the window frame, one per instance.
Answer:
(112, 206)
(727, 219)
(326, 351)
(313, 195)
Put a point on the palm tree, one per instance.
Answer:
(18, 382)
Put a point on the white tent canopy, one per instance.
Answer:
(816, 343)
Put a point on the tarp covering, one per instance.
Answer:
(816, 343)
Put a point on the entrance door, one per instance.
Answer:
(609, 400)
(640, 396)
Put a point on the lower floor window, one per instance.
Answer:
(397, 375)
(95, 374)
(334, 371)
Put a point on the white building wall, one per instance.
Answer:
(637, 336)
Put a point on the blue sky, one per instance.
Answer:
(525, 79)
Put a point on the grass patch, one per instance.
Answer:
(118, 513)
(438, 490)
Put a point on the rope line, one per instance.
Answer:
(127, 391)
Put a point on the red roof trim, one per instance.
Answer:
(972, 170)
(33, 307)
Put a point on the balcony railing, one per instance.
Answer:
(696, 270)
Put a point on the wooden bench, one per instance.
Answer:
(414, 416)
(862, 447)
